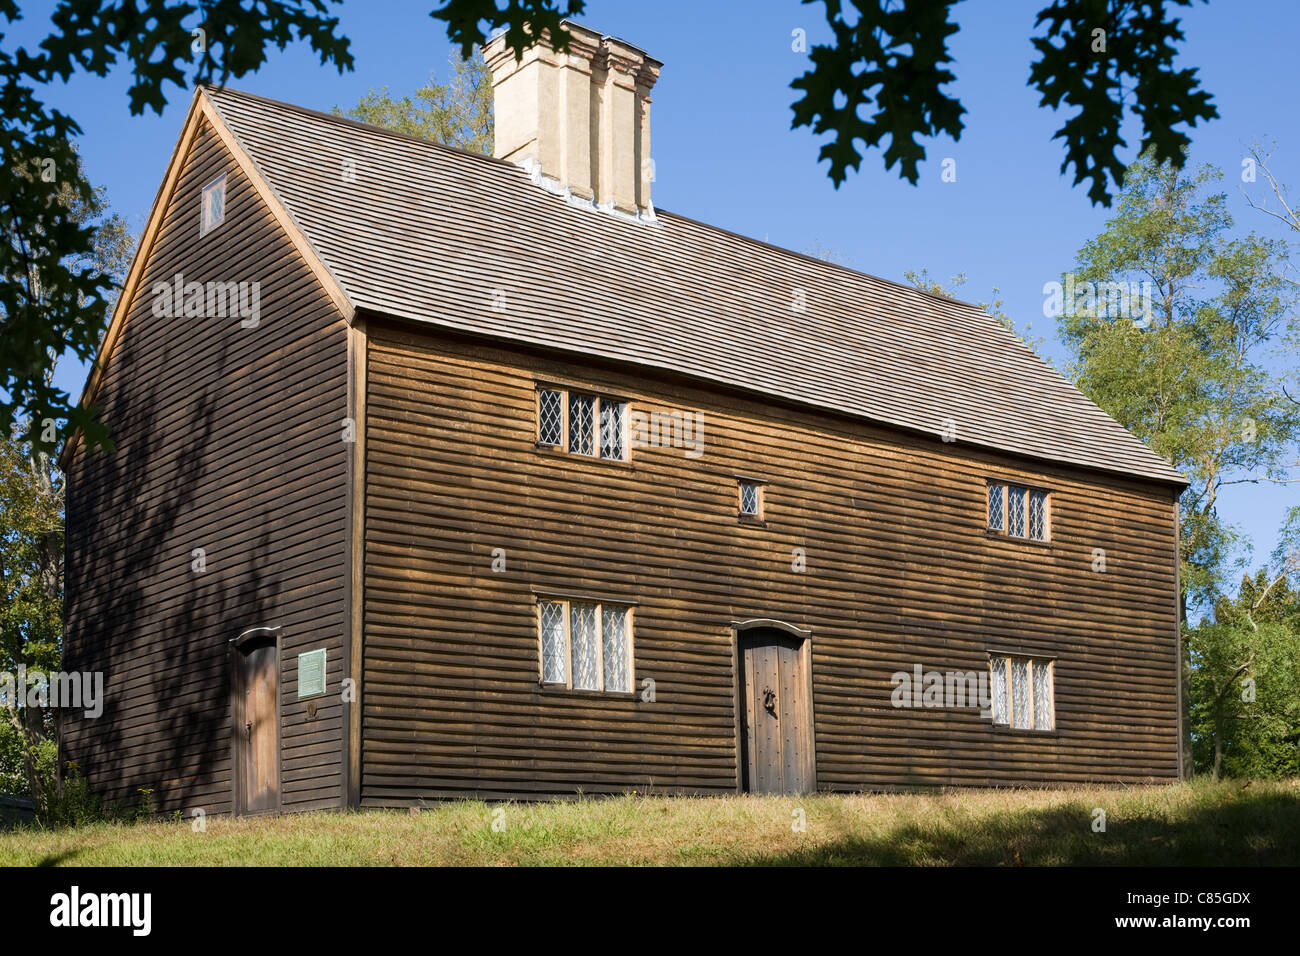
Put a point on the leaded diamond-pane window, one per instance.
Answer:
(1022, 693)
(1022, 716)
(999, 691)
(997, 507)
(1016, 511)
(584, 646)
(749, 498)
(613, 635)
(550, 417)
(554, 653)
(1043, 709)
(1038, 515)
(611, 429)
(582, 424)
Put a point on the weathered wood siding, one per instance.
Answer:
(228, 439)
(900, 571)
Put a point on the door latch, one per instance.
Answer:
(769, 700)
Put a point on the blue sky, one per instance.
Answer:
(725, 154)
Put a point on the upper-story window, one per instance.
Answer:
(582, 423)
(212, 209)
(1018, 512)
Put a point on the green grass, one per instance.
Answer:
(1182, 825)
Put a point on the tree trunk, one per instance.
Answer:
(1185, 676)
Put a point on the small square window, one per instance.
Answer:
(751, 498)
(212, 211)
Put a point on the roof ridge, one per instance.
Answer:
(347, 121)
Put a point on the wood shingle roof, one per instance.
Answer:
(431, 234)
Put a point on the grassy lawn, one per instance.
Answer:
(1183, 825)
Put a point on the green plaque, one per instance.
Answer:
(311, 673)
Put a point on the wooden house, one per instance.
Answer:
(443, 475)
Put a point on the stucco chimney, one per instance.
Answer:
(578, 121)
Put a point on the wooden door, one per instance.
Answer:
(257, 728)
(776, 713)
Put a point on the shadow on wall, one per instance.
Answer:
(138, 611)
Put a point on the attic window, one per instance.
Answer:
(212, 211)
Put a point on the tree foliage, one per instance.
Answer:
(53, 291)
(882, 77)
(31, 601)
(926, 283)
(1194, 378)
(1245, 684)
(457, 113)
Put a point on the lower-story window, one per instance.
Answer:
(586, 645)
(1022, 691)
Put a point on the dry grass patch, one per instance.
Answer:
(1182, 825)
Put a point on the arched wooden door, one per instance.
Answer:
(776, 715)
(256, 713)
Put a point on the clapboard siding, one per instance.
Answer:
(900, 571)
(228, 439)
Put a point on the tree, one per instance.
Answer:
(884, 76)
(1245, 684)
(1183, 363)
(1282, 209)
(31, 602)
(458, 113)
(52, 294)
(1170, 325)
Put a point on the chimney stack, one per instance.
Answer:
(579, 122)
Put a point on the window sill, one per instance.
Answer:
(1027, 731)
(562, 690)
(553, 451)
(754, 520)
(1014, 539)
